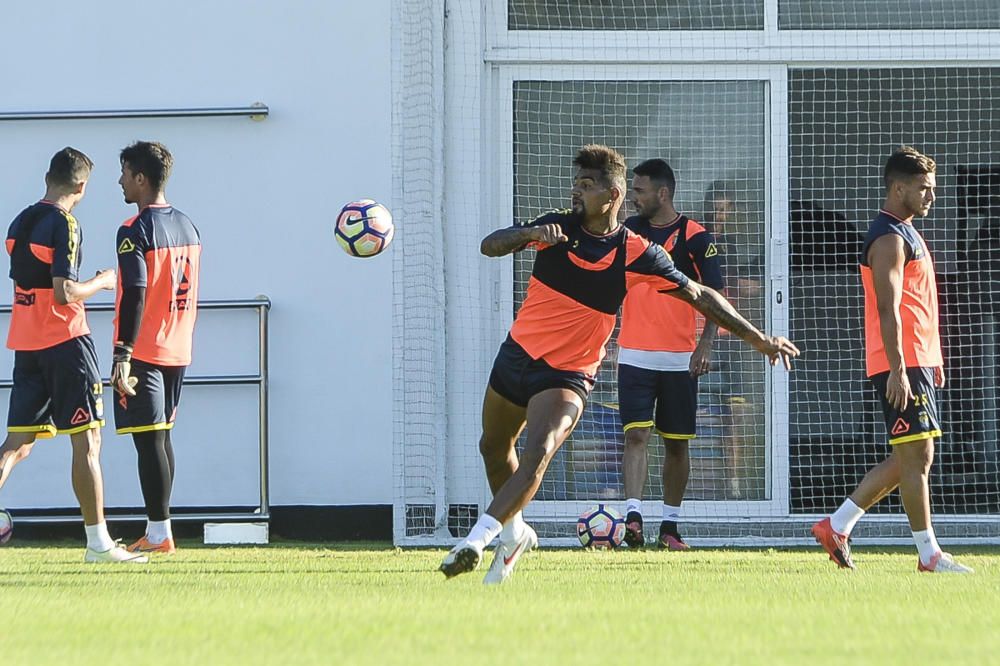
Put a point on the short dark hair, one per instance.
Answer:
(659, 172)
(604, 159)
(151, 159)
(718, 190)
(906, 162)
(68, 168)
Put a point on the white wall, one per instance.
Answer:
(264, 195)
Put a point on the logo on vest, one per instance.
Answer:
(182, 285)
(21, 298)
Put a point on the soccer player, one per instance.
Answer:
(57, 387)
(903, 360)
(660, 355)
(545, 368)
(159, 253)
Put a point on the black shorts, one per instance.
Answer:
(57, 390)
(154, 405)
(673, 395)
(517, 377)
(920, 418)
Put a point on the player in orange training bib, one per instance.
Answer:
(545, 368)
(159, 254)
(903, 360)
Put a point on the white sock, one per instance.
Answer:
(927, 544)
(846, 517)
(484, 531)
(98, 539)
(671, 513)
(158, 531)
(513, 529)
(633, 504)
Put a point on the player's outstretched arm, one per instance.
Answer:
(66, 291)
(715, 307)
(504, 241)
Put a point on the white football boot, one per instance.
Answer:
(464, 557)
(506, 555)
(115, 554)
(943, 563)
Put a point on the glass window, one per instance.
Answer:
(843, 125)
(635, 15)
(712, 134)
(888, 14)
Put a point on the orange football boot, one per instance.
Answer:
(144, 545)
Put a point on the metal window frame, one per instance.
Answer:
(256, 111)
(501, 179)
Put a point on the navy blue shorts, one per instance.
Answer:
(154, 405)
(517, 377)
(920, 418)
(662, 399)
(57, 389)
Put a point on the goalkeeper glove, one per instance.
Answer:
(121, 371)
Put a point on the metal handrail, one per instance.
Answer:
(263, 305)
(256, 111)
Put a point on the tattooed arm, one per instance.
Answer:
(716, 308)
(512, 239)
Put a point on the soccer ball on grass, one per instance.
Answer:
(600, 526)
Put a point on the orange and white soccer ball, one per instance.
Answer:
(600, 526)
(364, 228)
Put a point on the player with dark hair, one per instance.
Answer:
(660, 355)
(159, 252)
(57, 387)
(903, 360)
(545, 368)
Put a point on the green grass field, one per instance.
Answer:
(293, 603)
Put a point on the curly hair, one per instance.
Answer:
(608, 161)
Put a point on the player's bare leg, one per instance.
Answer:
(634, 464)
(551, 416)
(676, 470)
(833, 532)
(915, 460)
(503, 422)
(88, 485)
(15, 448)
(878, 482)
(914, 467)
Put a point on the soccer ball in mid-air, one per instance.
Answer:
(6, 526)
(363, 228)
(600, 526)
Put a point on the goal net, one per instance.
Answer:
(778, 137)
